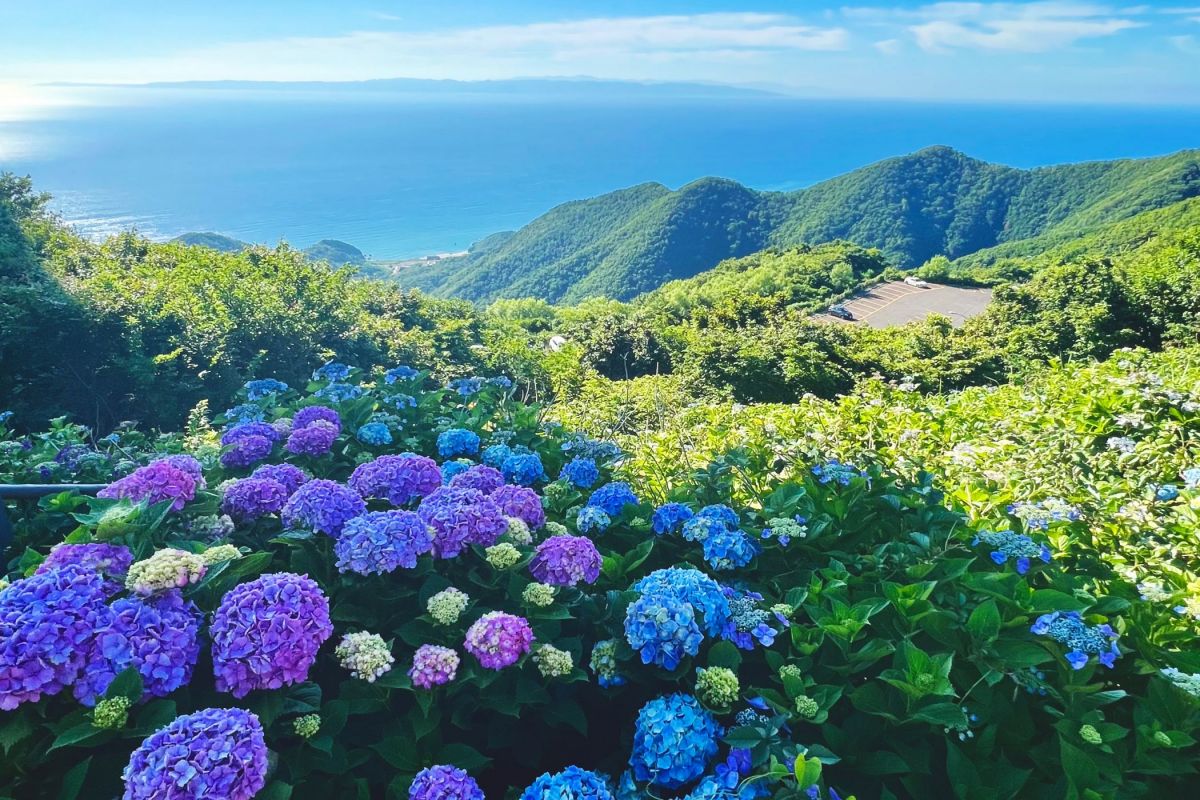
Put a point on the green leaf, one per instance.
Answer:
(80, 735)
(127, 684)
(275, 790)
(984, 622)
(74, 779)
(463, 756)
(724, 654)
(807, 770)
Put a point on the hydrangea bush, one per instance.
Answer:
(407, 590)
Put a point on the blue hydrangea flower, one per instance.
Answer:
(592, 518)
(747, 623)
(1038, 516)
(523, 469)
(670, 518)
(452, 469)
(323, 506)
(599, 451)
(674, 739)
(382, 541)
(375, 434)
(263, 388)
(1166, 493)
(604, 663)
(401, 401)
(1009, 544)
(580, 472)
(495, 455)
(246, 412)
(1191, 477)
(721, 513)
(1084, 641)
(217, 752)
(573, 783)
(694, 588)
(331, 371)
(457, 442)
(698, 528)
(400, 373)
(835, 471)
(613, 497)
(466, 387)
(339, 392)
(663, 629)
(725, 549)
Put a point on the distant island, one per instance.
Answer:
(332, 251)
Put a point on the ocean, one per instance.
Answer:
(402, 174)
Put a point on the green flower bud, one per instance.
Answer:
(1162, 738)
(111, 713)
(307, 726)
(447, 606)
(717, 687)
(552, 662)
(538, 595)
(222, 552)
(556, 529)
(1090, 735)
(791, 671)
(807, 707)
(518, 531)
(503, 555)
(168, 568)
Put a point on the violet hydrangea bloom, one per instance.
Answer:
(291, 476)
(444, 782)
(266, 633)
(323, 506)
(499, 640)
(246, 430)
(159, 636)
(398, 479)
(382, 541)
(521, 502)
(433, 665)
(251, 498)
(310, 414)
(482, 477)
(47, 623)
(461, 517)
(315, 439)
(188, 464)
(247, 451)
(565, 561)
(111, 561)
(217, 752)
(156, 482)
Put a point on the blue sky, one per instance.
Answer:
(1054, 51)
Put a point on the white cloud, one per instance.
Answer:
(887, 46)
(609, 47)
(1185, 44)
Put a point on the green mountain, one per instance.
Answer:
(335, 252)
(936, 201)
(215, 241)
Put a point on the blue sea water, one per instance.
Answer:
(402, 175)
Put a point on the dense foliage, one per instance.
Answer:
(935, 202)
(761, 619)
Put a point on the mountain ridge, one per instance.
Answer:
(935, 201)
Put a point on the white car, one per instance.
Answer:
(913, 280)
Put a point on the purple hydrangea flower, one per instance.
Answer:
(499, 640)
(482, 477)
(444, 782)
(461, 517)
(266, 633)
(291, 476)
(47, 623)
(565, 561)
(310, 414)
(396, 479)
(323, 506)
(158, 635)
(433, 665)
(217, 752)
(522, 503)
(111, 561)
(156, 482)
(188, 464)
(382, 541)
(247, 451)
(314, 439)
(251, 498)
(245, 430)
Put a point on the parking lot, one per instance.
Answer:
(897, 303)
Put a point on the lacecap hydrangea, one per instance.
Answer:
(1012, 545)
(1084, 641)
(217, 752)
(674, 739)
(398, 479)
(266, 633)
(382, 541)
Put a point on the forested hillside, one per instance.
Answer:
(936, 202)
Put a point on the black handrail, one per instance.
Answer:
(26, 491)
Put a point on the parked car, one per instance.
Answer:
(841, 312)
(913, 280)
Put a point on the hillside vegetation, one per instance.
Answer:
(935, 202)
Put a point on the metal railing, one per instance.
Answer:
(33, 491)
